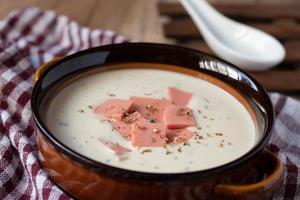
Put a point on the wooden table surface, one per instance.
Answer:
(136, 19)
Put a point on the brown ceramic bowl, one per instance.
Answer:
(255, 175)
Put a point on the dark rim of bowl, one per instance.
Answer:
(126, 174)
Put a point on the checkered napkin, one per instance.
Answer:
(29, 37)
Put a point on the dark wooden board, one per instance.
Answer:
(174, 8)
(280, 28)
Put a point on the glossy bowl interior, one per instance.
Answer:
(66, 70)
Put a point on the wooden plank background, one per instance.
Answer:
(137, 19)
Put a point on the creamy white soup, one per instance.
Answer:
(224, 131)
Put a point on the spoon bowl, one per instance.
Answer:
(242, 45)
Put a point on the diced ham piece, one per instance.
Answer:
(146, 134)
(153, 123)
(114, 108)
(177, 136)
(115, 147)
(179, 97)
(124, 126)
(150, 108)
(176, 117)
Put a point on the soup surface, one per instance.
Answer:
(224, 132)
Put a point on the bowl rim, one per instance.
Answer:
(127, 174)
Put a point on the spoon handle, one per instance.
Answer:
(201, 13)
(201, 7)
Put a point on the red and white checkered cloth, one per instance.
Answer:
(29, 37)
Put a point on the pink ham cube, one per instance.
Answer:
(176, 117)
(115, 147)
(124, 126)
(150, 108)
(114, 108)
(179, 97)
(146, 134)
(177, 136)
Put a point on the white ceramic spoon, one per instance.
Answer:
(242, 45)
